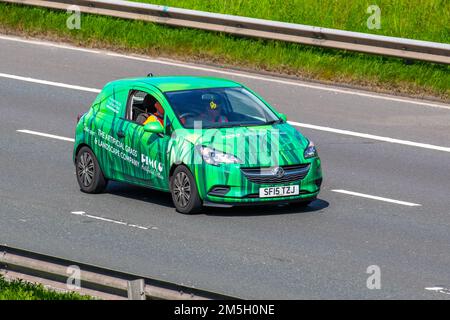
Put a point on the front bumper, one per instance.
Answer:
(241, 191)
(263, 201)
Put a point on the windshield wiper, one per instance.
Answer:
(273, 121)
(232, 125)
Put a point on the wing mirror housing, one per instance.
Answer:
(283, 117)
(154, 127)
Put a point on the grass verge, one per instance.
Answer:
(21, 290)
(305, 62)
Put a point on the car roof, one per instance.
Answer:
(178, 83)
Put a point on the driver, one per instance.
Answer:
(158, 115)
(213, 113)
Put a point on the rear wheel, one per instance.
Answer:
(89, 175)
(184, 191)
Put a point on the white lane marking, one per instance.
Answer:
(84, 214)
(363, 195)
(231, 72)
(52, 136)
(49, 83)
(48, 44)
(439, 290)
(298, 124)
(371, 136)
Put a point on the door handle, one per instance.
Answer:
(120, 134)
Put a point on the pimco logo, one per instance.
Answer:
(156, 165)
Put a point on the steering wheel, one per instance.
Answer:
(142, 117)
(186, 115)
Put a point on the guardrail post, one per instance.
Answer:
(136, 289)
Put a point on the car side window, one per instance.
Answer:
(140, 106)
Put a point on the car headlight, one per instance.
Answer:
(310, 151)
(214, 157)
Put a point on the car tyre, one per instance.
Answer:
(184, 191)
(89, 174)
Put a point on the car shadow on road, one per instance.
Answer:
(266, 210)
(164, 199)
(130, 191)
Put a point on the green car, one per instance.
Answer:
(207, 141)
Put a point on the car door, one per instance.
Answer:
(150, 149)
(103, 128)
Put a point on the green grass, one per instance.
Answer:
(426, 20)
(372, 72)
(21, 290)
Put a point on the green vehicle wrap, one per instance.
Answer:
(127, 152)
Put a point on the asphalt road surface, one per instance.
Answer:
(385, 199)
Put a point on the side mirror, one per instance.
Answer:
(283, 117)
(154, 127)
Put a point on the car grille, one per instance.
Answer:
(266, 175)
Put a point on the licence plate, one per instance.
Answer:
(281, 191)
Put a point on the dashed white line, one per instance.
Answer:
(371, 136)
(230, 72)
(47, 44)
(368, 196)
(52, 136)
(48, 83)
(84, 214)
(438, 290)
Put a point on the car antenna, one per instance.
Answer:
(150, 75)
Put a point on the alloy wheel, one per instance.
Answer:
(86, 169)
(182, 189)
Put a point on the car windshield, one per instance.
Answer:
(220, 108)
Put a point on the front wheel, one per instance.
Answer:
(89, 175)
(184, 191)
